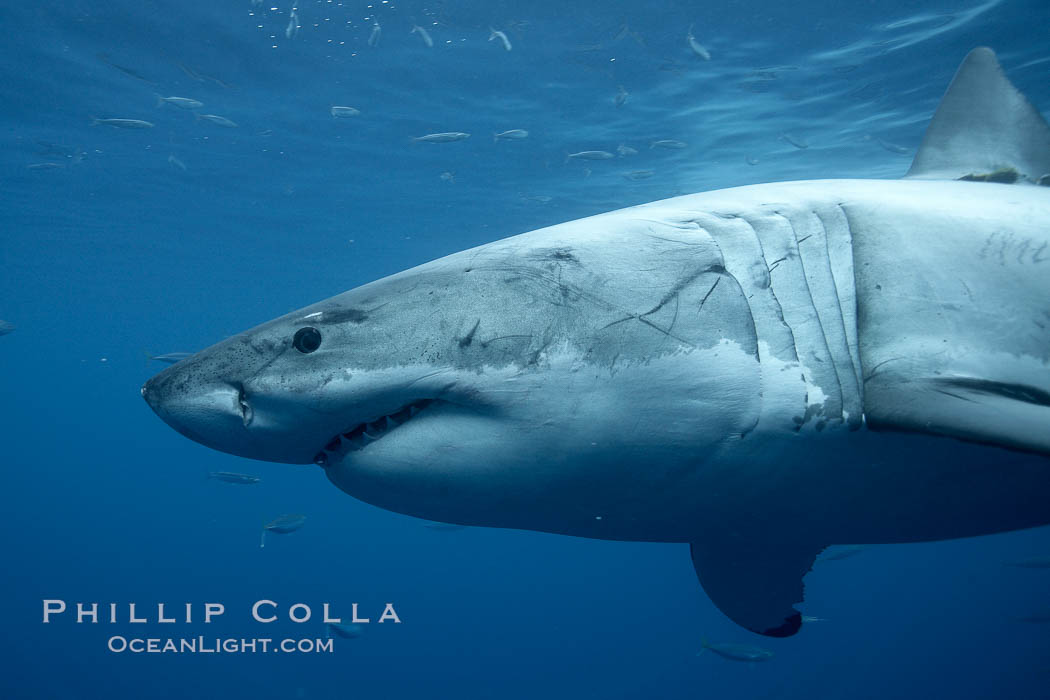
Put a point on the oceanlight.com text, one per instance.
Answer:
(216, 645)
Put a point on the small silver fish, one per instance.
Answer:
(126, 71)
(511, 135)
(6, 327)
(737, 652)
(449, 177)
(496, 34)
(590, 155)
(751, 161)
(171, 357)
(201, 77)
(794, 140)
(346, 630)
(282, 526)
(177, 163)
(669, 144)
(638, 174)
(416, 29)
(46, 166)
(216, 119)
(894, 148)
(292, 30)
(234, 477)
(621, 96)
(625, 150)
(180, 102)
(343, 112)
(122, 123)
(695, 46)
(377, 31)
(538, 198)
(444, 137)
(810, 618)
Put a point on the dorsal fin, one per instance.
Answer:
(984, 129)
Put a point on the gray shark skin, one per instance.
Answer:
(760, 372)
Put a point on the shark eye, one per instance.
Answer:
(307, 340)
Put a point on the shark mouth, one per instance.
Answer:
(364, 434)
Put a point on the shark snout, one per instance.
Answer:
(215, 415)
(232, 417)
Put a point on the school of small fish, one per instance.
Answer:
(292, 30)
(497, 36)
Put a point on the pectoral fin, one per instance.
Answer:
(754, 583)
(988, 411)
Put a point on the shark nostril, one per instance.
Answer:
(148, 393)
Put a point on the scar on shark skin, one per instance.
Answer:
(709, 293)
(466, 340)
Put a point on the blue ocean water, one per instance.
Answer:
(118, 242)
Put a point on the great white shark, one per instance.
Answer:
(760, 372)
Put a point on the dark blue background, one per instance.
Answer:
(114, 251)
